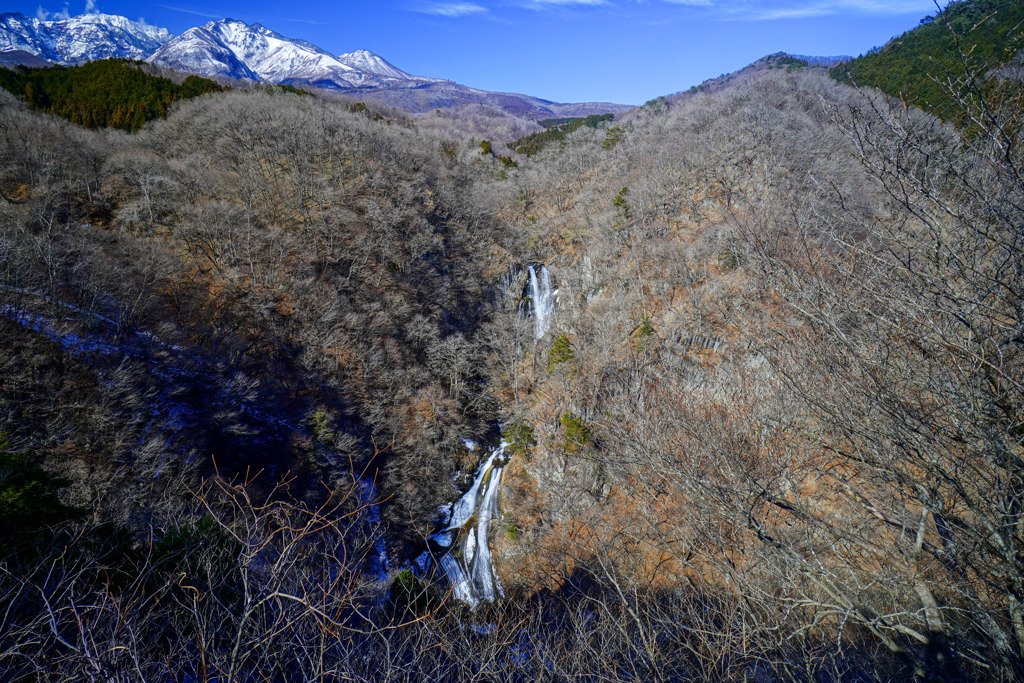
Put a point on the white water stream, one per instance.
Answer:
(468, 564)
(542, 297)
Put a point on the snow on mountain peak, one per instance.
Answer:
(234, 48)
(135, 27)
(225, 47)
(82, 38)
(371, 63)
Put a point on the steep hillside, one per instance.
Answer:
(751, 378)
(919, 66)
(329, 268)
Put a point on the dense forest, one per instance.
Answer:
(109, 92)
(771, 429)
(932, 65)
(555, 130)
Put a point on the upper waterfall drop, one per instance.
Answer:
(542, 298)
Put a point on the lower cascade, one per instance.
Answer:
(468, 562)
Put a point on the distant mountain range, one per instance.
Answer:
(250, 52)
(22, 58)
(80, 39)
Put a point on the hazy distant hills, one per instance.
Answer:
(425, 97)
(10, 58)
(250, 52)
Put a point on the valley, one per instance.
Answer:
(327, 382)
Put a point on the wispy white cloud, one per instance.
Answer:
(198, 13)
(452, 9)
(801, 9)
(823, 8)
(90, 6)
(41, 14)
(541, 4)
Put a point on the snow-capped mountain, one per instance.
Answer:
(80, 39)
(252, 52)
(201, 51)
(249, 51)
(368, 62)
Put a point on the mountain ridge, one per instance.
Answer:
(231, 48)
(80, 39)
(919, 64)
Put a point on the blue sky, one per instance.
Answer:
(625, 51)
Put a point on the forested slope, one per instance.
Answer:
(786, 367)
(773, 431)
(110, 92)
(945, 59)
(276, 257)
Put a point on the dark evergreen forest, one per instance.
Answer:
(112, 93)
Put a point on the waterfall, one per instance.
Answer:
(366, 492)
(468, 564)
(542, 298)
